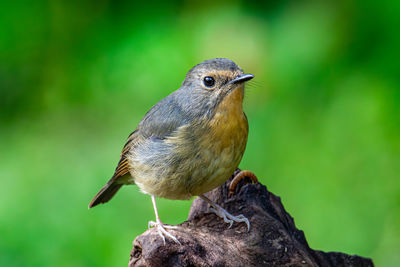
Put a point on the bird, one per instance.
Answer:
(188, 143)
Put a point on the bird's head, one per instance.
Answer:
(207, 84)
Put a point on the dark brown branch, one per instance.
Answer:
(206, 240)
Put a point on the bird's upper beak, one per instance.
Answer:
(242, 78)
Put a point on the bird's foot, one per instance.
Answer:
(238, 177)
(162, 232)
(229, 218)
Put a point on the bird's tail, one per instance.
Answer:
(106, 193)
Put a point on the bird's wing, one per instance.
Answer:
(123, 167)
(164, 118)
(121, 174)
(159, 122)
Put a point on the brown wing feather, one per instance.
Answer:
(132, 141)
(115, 183)
(123, 166)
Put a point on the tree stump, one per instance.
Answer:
(273, 239)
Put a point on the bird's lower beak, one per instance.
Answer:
(242, 78)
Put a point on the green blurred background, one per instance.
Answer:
(77, 76)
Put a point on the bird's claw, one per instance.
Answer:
(162, 232)
(229, 218)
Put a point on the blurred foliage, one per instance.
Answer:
(77, 76)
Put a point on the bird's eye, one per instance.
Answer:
(209, 81)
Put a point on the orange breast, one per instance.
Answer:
(225, 142)
(229, 123)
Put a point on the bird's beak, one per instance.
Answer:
(242, 78)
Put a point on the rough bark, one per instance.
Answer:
(273, 239)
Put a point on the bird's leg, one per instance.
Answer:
(228, 218)
(238, 177)
(160, 226)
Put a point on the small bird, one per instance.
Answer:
(188, 143)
